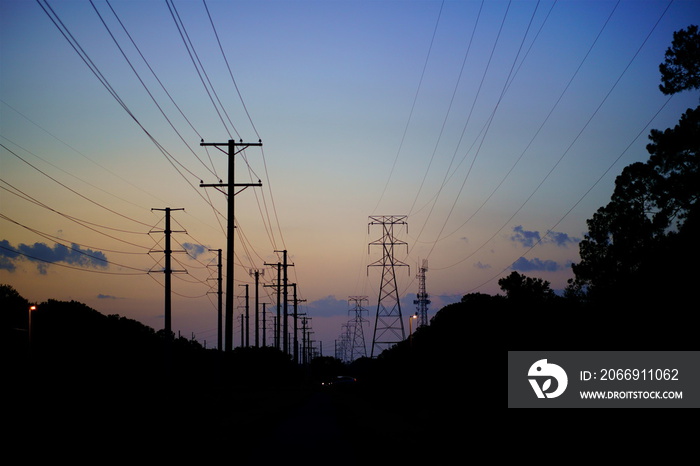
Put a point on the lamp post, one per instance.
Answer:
(29, 328)
(410, 329)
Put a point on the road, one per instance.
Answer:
(348, 428)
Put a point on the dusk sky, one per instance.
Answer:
(497, 127)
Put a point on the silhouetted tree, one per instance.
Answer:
(14, 309)
(630, 248)
(681, 70)
(522, 289)
(14, 313)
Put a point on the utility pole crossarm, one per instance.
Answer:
(233, 143)
(224, 185)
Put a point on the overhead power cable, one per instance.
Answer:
(218, 41)
(62, 240)
(146, 87)
(595, 112)
(93, 68)
(83, 269)
(544, 122)
(191, 50)
(84, 223)
(71, 174)
(476, 97)
(71, 189)
(583, 196)
(490, 120)
(413, 106)
(449, 108)
(91, 160)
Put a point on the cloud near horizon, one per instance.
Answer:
(536, 264)
(329, 306)
(332, 306)
(43, 255)
(529, 238)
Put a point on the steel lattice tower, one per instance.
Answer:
(358, 348)
(422, 296)
(388, 324)
(341, 349)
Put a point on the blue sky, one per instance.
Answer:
(489, 125)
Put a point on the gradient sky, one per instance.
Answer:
(487, 125)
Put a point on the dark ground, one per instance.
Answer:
(292, 425)
(358, 426)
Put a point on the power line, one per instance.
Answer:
(71, 174)
(83, 223)
(93, 68)
(566, 214)
(146, 87)
(229, 70)
(413, 105)
(449, 108)
(272, 198)
(71, 189)
(595, 112)
(188, 45)
(14, 251)
(61, 240)
(490, 120)
(527, 147)
(78, 152)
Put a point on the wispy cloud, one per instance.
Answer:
(7, 256)
(561, 239)
(195, 250)
(525, 237)
(535, 264)
(529, 238)
(107, 296)
(43, 255)
(328, 306)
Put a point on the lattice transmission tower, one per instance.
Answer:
(422, 296)
(342, 345)
(388, 323)
(358, 348)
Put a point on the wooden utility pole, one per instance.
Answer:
(296, 328)
(256, 273)
(279, 303)
(233, 149)
(168, 271)
(219, 300)
(246, 319)
(285, 301)
(264, 326)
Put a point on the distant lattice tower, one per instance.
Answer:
(388, 324)
(358, 348)
(422, 296)
(343, 345)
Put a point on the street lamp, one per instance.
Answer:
(29, 327)
(410, 329)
